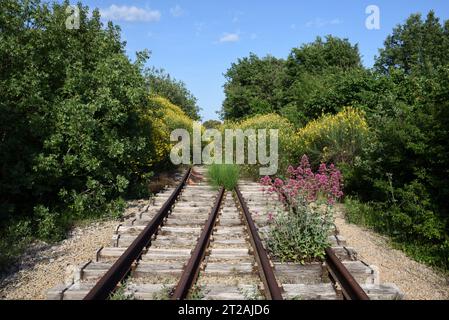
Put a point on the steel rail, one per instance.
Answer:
(192, 269)
(350, 288)
(108, 282)
(266, 271)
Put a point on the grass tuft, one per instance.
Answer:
(226, 175)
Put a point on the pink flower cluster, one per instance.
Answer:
(302, 181)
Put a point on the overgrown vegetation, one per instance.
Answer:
(386, 127)
(338, 138)
(299, 232)
(121, 294)
(224, 175)
(287, 140)
(198, 292)
(251, 293)
(79, 132)
(165, 293)
(390, 219)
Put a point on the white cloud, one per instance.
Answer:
(319, 23)
(230, 37)
(131, 14)
(176, 11)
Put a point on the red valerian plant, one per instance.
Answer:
(304, 183)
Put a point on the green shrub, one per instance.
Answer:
(13, 241)
(121, 294)
(48, 226)
(226, 175)
(357, 212)
(412, 228)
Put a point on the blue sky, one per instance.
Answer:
(196, 41)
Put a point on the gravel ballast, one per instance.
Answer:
(44, 266)
(416, 280)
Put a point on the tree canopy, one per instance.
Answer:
(161, 83)
(264, 85)
(254, 86)
(417, 46)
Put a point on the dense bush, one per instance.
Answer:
(69, 125)
(78, 129)
(168, 118)
(413, 230)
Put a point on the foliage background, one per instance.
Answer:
(386, 127)
(81, 127)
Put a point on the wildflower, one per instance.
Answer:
(278, 182)
(328, 181)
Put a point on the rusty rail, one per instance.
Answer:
(350, 288)
(107, 284)
(266, 271)
(190, 273)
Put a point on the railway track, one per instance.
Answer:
(196, 242)
(340, 276)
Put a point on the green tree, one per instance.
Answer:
(162, 84)
(321, 55)
(311, 72)
(416, 46)
(253, 86)
(269, 85)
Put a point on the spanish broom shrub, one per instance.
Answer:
(338, 138)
